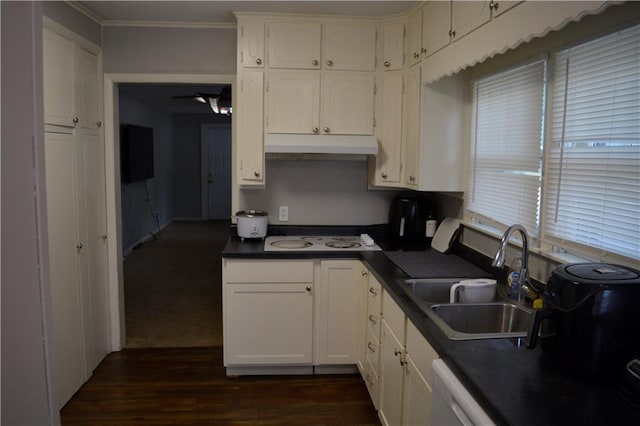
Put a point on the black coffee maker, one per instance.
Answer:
(407, 217)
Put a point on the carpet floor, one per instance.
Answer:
(173, 287)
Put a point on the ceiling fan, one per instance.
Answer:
(219, 103)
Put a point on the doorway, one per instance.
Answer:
(114, 195)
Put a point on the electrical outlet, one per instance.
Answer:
(284, 214)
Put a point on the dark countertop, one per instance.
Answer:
(513, 384)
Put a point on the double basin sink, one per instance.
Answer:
(467, 321)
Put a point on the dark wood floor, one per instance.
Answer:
(188, 386)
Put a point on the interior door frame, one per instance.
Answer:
(112, 180)
(204, 165)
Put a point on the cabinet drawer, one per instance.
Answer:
(394, 316)
(374, 296)
(373, 353)
(420, 351)
(372, 382)
(266, 271)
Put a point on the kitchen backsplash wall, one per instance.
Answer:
(322, 192)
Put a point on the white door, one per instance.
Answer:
(294, 45)
(436, 23)
(249, 117)
(293, 99)
(218, 173)
(347, 103)
(88, 86)
(349, 46)
(392, 373)
(58, 79)
(389, 158)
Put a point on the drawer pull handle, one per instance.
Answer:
(373, 291)
(371, 347)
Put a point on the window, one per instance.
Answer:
(506, 157)
(589, 195)
(592, 195)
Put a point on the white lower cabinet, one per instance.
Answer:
(287, 314)
(338, 306)
(405, 370)
(268, 312)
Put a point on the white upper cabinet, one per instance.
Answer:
(414, 34)
(389, 130)
(393, 46)
(294, 45)
(250, 129)
(88, 82)
(411, 124)
(293, 102)
(59, 79)
(347, 103)
(436, 26)
(466, 16)
(350, 46)
(252, 44)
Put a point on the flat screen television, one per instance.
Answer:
(136, 148)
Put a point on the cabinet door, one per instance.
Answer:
(466, 16)
(414, 34)
(411, 125)
(88, 89)
(252, 44)
(64, 265)
(269, 323)
(393, 46)
(349, 46)
(294, 45)
(389, 130)
(416, 403)
(501, 7)
(293, 102)
(250, 128)
(391, 377)
(338, 311)
(58, 79)
(436, 24)
(347, 103)
(91, 206)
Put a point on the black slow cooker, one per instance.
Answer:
(594, 319)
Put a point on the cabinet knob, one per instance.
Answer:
(316, 130)
(384, 175)
(99, 123)
(373, 291)
(104, 237)
(412, 179)
(330, 63)
(365, 273)
(75, 120)
(493, 5)
(387, 64)
(423, 50)
(371, 347)
(327, 130)
(79, 246)
(256, 173)
(309, 288)
(315, 62)
(416, 55)
(452, 33)
(372, 319)
(369, 380)
(259, 61)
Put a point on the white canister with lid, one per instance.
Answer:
(252, 223)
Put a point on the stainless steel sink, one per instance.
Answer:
(431, 290)
(481, 320)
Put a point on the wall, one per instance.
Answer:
(73, 20)
(137, 213)
(169, 50)
(26, 390)
(319, 193)
(186, 162)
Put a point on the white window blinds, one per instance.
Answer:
(592, 194)
(506, 154)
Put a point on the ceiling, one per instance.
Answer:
(221, 12)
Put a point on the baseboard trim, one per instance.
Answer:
(336, 369)
(269, 370)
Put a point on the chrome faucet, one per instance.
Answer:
(498, 260)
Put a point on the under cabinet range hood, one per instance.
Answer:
(320, 144)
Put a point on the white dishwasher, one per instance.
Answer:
(451, 403)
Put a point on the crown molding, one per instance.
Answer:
(85, 11)
(166, 24)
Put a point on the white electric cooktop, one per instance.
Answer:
(320, 243)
